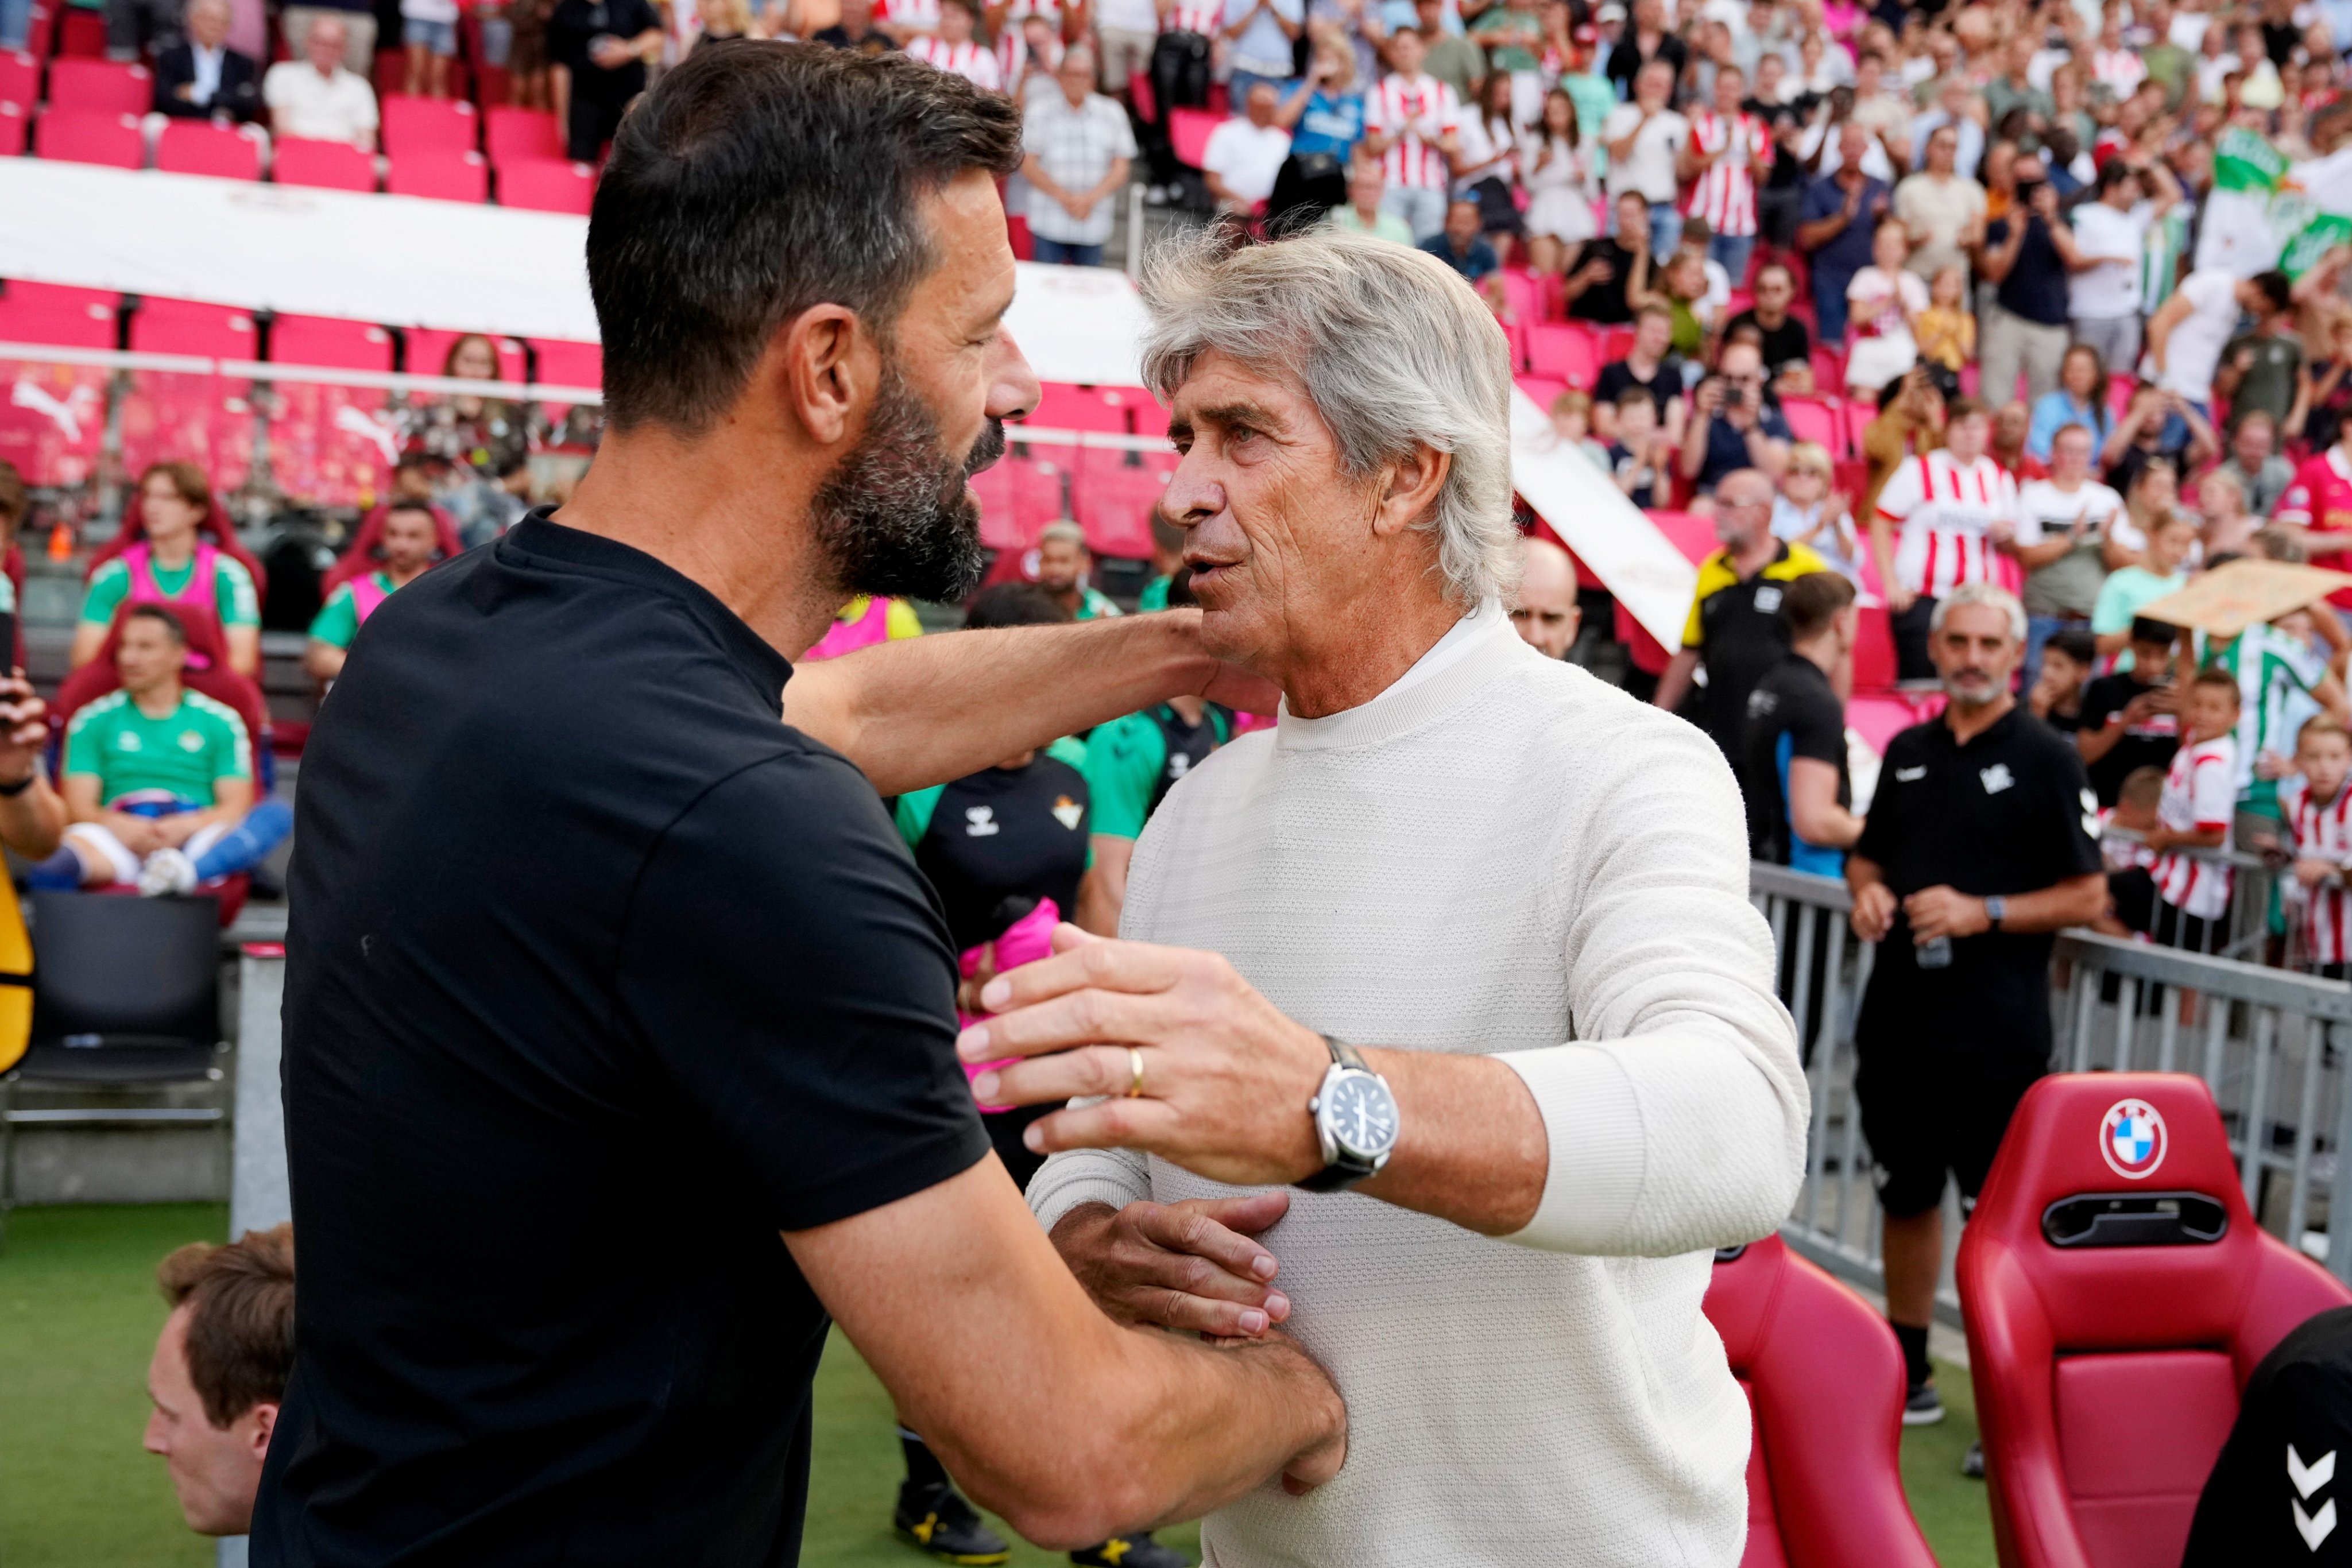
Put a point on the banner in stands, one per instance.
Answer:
(1650, 578)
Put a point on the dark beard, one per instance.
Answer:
(894, 518)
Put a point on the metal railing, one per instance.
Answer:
(2270, 1043)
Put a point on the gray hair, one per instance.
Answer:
(1393, 349)
(1063, 528)
(1985, 594)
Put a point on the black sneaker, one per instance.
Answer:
(1923, 1406)
(1972, 1462)
(1136, 1550)
(937, 1519)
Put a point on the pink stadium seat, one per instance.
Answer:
(79, 136)
(1541, 389)
(1858, 415)
(1567, 352)
(20, 78)
(562, 363)
(82, 35)
(442, 175)
(428, 352)
(100, 87)
(321, 165)
(1520, 293)
(331, 343)
(1065, 407)
(1816, 419)
(1187, 130)
(21, 292)
(511, 133)
(1138, 93)
(43, 31)
(1616, 342)
(12, 131)
(547, 185)
(2121, 384)
(1017, 498)
(1115, 503)
(63, 326)
(193, 147)
(187, 327)
(428, 125)
(1017, 235)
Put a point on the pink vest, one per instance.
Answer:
(848, 636)
(1025, 941)
(145, 590)
(366, 594)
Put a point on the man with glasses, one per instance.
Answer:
(1735, 424)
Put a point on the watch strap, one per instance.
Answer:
(1345, 1055)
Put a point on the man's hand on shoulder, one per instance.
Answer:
(1190, 1265)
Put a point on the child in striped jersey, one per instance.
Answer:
(2200, 801)
(2315, 811)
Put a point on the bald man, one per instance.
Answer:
(1545, 613)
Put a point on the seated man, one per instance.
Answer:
(315, 98)
(1650, 365)
(1246, 153)
(204, 78)
(410, 538)
(159, 779)
(220, 1370)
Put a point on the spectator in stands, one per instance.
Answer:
(1077, 148)
(465, 439)
(605, 47)
(1650, 365)
(1608, 272)
(1063, 562)
(2062, 541)
(1367, 212)
(318, 97)
(158, 778)
(1809, 512)
(2080, 398)
(2130, 717)
(1728, 157)
(2104, 252)
(1955, 505)
(1461, 246)
(2162, 569)
(855, 31)
(2187, 334)
(1977, 848)
(1640, 456)
(411, 539)
(1556, 170)
(2261, 474)
(2055, 693)
(1884, 304)
(2023, 327)
(1733, 424)
(2007, 443)
(356, 37)
(2157, 427)
(2224, 526)
(1645, 139)
(1243, 154)
(219, 1372)
(1947, 330)
(955, 48)
(2316, 510)
(1647, 40)
(1787, 346)
(1942, 209)
(1259, 36)
(1834, 226)
(428, 29)
(1800, 796)
(1324, 119)
(2284, 668)
(204, 78)
(1735, 631)
(2316, 814)
(1409, 124)
(174, 564)
(2198, 808)
(1546, 610)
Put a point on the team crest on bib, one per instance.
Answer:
(2132, 1139)
(1068, 812)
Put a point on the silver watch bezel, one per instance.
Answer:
(1334, 1150)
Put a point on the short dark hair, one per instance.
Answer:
(1012, 604)
(2276, 286)
(2220, 680)
(411, 504)
(240, 1301)
(2141, 787)
(171, 624)
(1810, 603)
(2154, 633)
(759, 180)
(2079, 643)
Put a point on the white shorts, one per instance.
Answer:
(99, 844)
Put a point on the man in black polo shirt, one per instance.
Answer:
(1981, 841)
(2129, 718)
(600, 976)
(1799, 796)
(2025, 329)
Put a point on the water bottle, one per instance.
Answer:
(1936, 953)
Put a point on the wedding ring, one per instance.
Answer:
(1135, 1072)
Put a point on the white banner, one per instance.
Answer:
(1650, 578)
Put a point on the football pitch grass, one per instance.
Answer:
(79, 1315)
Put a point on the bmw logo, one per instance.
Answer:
(2132, 1139)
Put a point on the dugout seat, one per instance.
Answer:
(2118, 1293)
(321, 165)
(1823, 1378)
(366, 551)
(439, 175)
(192, 147)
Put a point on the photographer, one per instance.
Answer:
(1735, 422)
(2025, 328)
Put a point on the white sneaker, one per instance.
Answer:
(167, 871)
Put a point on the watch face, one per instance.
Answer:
(1363, 1116)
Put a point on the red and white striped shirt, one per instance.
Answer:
(1947, 512)
(2320, 831)
(922, 16)
(2200, 794)
(1201, 16)
(1725, 192)
(1418, 110)
(970, 60)
(1012, 57)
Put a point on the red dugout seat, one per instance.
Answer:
(192, 147)
(511, 133)
(547, 185)
(330, 445)
(366, 551)
(1115, 502)
(321, 165)
(429, 125)
(100, 87)
(20, 78)
(1823, 1378)
(85, 136)
(2117, 1293)
(213, 526)
(440, 174)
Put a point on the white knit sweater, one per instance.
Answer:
(1500, 854)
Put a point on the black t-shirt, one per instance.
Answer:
(1626, 61)
(575, 24)
(2035, 287)
(2007, 813)
(1741, 635)
(2147, 744)
(1663, 384)
(1003, 834)
(1787, 344)
(1603, 303)
(874, 42)
(1793, 711)
(599, 975)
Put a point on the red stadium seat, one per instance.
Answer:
(60, 297)
(81, 34)
(100, 87)
(1873, 650)
(428, 353)
(188, 327)
(1564, 352)
(43, 30)
(512, 133)
(1062, 406)
(547, 185)
(1541, 389)
(560, 364)
(86, 326)
(1816, 419)
(443, 176)
(1616, 342)
(193, 147)
(1115, 502)
(82, 136)
(321, 165)
(20, 78)
(52, 417)
(429, 125)
(1859, 412)
(1188, 132)
(13, 128)
(1823, 1378)
(366, 552)
(2117, 1293)
(330, 342)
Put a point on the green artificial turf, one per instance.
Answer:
(79, 1315)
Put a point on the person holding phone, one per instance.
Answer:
(1735, 424)
(2061, 541)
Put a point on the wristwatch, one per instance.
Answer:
(1996, 911)
(1355, 1121)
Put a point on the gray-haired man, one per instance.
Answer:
(1522, 893)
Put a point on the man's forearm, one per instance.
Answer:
(1471, 1147)
(2077, 901)
(926, 710)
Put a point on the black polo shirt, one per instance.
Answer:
(1618, 377)
(599, 975)
(1603, 303)
(2010, 812)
